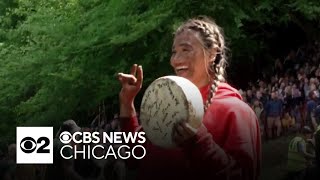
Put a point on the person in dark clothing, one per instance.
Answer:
(63, 169)
(273, 114)
(311, 105)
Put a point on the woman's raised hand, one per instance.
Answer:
(131, 84)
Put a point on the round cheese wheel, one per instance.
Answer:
(169, 100)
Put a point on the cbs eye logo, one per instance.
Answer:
(65, 137)
(35, 145)
(29, 145)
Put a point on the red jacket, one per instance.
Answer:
(227, 146)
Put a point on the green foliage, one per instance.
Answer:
(59, 59)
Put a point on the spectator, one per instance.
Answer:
(63, 169)
(306, 87)
(258, 108)
(311, 105)
(297, 154)
(273, 114)
(262, 96)
(250, 96)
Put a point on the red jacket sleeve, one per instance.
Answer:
(238, 152)
(129, 124)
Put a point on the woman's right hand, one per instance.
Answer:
(131, 85)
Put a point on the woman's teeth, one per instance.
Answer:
(181, 68)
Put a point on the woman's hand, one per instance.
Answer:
(131, 84)
(183, 132)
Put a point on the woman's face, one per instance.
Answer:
(188, 58)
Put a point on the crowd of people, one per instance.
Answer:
(288, 97)
(287, 102)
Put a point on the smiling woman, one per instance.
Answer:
(188, 59)
(200, 56)
(226, 145)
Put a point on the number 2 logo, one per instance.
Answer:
(29, 145)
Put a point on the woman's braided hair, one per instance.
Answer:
(211, 36)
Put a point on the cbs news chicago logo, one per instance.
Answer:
(34, 145)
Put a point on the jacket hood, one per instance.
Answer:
(224, 90)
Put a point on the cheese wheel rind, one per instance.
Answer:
(169, 100)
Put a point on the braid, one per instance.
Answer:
(211, 37)
(213, 89)
(216, 81)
